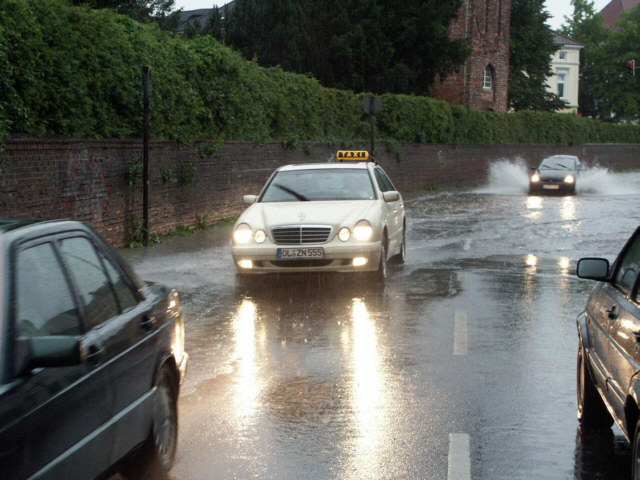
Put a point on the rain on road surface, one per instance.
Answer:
(463, 366)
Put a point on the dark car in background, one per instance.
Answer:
(608, 367)
(91, 358)
(556, 174)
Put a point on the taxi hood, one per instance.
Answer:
(336, 213)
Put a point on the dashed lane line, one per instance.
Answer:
(460, 339)
(459, 457)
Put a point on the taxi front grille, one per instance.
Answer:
(300, 235)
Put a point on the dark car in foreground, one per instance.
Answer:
(91, 358)
(608, 367)
(556, 174)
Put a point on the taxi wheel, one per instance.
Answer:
(592, 412)
(381, 273)
(400, 257)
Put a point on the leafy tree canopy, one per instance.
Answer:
(607, 91)
(360, 45)
(76, 72)
(143, 11)
(530, 58)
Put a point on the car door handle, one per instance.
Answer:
(148, 322)
(611, 313)
(94, 355)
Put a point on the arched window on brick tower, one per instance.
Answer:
(489, 78)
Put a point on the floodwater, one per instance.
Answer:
(462, 366)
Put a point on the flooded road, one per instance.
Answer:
(462, 366)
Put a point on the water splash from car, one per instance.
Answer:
(601, 181)
(507, 177)
(511, 177)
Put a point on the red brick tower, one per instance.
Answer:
(482, 82)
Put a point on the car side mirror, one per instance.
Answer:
(391, 196)
(249, 199)
(40, 352)
(593, 269)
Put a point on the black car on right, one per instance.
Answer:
(608, 373)
(556, 174)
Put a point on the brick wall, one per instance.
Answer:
(486, 24)
(88, 179)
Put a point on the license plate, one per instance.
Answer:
(294, 253)
(551, 187)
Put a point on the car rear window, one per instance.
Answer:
(319, 184)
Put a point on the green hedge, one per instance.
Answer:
(73, 71)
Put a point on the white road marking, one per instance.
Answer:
(467, 244)
(460, 339)
(459, 457)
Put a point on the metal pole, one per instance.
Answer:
(372, 116)
(146, 85)
(373, 126)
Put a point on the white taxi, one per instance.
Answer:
(322, 217)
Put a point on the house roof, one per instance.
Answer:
(201, 16)
(611, 12)
(565, 41)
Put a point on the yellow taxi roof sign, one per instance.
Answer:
(357, 155)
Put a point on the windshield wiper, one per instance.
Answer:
(299, 196)
(562, 166)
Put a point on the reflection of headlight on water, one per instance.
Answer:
(531, 260)
(564, 263)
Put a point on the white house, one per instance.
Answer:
(565, 65)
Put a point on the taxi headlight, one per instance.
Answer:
(260, 236)
(363, 231)
(569, 179)
(242, 234)
(535, 178)
(344, 234)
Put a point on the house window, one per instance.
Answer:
(562, 85)
(562, 55)
(487, 83)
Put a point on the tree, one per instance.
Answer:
(530, 58)
(144, 11)
(586, 26)
(623, 45)
(607, 91)
(361, 45)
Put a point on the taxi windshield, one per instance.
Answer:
(319, 184)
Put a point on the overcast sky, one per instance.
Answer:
(557, 8)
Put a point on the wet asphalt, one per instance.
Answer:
(461, 366)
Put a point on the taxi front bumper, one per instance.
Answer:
(336, 258)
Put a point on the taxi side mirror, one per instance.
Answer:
(249, 199)
(391, 196)
(593, 269)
